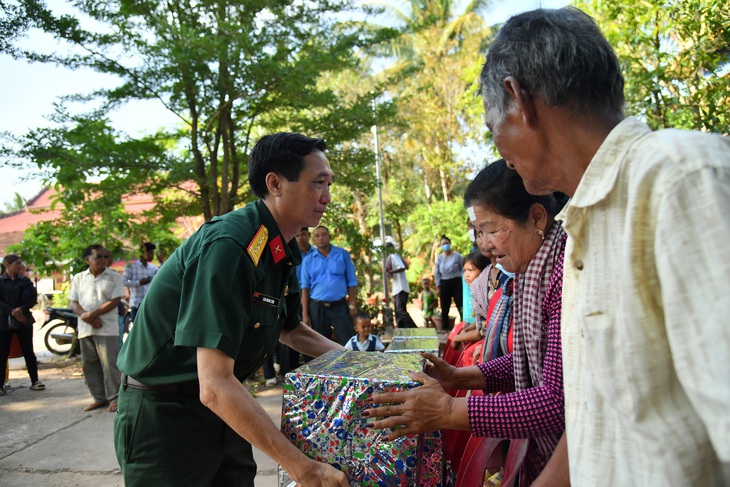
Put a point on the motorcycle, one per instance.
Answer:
(61, 331)
(61, 327)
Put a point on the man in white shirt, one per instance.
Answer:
(94, 296)
(646, 347)
(396, 267)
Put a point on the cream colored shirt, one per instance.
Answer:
(646, 311)
(91, 292)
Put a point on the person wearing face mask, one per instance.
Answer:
(521, 232)
(447, 272)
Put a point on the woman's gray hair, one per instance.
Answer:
(560, 57)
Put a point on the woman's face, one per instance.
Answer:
(483, 249)
(446, 245)
(470, 272)
(513, 244)
(14, 268)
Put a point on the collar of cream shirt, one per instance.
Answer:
(601, 173)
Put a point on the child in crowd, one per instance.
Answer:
(429, 301)
(460, 337)
(364, 341)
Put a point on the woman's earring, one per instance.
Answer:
(541, 233)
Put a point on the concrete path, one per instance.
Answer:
(46, 439)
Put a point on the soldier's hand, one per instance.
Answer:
(323, 475)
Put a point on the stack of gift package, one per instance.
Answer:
(322, 415)
(413, 344)
(400, 333)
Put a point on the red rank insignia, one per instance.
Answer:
(277, 249)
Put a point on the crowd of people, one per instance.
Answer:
(595, 356)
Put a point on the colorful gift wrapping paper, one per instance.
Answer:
(413, 344)
(415, 333)
(321, 415)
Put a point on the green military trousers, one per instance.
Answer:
(163, 439)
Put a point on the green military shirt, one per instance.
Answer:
(230, 286)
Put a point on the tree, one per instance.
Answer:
(675, 58)
(94, 169)
(230, 71)
(433, 81)
(429, 223)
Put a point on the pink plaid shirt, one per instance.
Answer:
(537, 413)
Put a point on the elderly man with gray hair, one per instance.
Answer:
(645, 339)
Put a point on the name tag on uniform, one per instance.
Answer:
(263, 298)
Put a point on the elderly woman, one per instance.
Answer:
(521, 232)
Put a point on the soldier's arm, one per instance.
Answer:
(223, 394)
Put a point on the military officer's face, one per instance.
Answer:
(307, 198)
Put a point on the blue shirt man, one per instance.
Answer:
(329, 288)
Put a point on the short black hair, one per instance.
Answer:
(361, 315)
(282, 153)
(501, 189)
(478, 260)
(148, 247)
(91, 248)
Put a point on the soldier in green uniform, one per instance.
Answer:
(211, 315)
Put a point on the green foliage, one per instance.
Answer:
(428, 113)
(429, 222)
(433, 83)
(230, 71)
(675, 57)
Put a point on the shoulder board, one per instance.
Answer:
(256, 246)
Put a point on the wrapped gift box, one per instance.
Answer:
(413, 344)
(322, 415)
(415, 333)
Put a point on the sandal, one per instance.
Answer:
(95, 405)
(37, 386)
(112, 407)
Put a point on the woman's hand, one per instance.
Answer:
(441, 370)
(477, 355)
(420, 410)
(17, 313)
